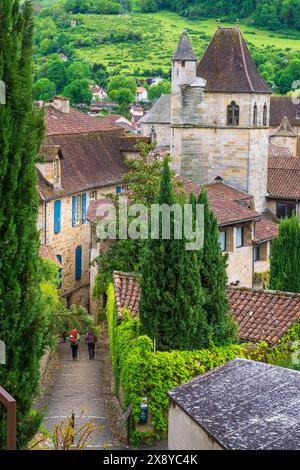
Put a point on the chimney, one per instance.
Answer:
(62, 104)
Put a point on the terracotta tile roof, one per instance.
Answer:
(228, 66)
(263, 315)
(118, 120)
(184, 50)
(228, 204)
(278, 151)
(127, 293)
(266, 229)
(98, 209)
(89, 160)
(46, 252)
(74, 122)
(282, 106)
(284, 177)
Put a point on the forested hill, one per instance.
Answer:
(272, 14)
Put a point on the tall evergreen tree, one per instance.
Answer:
(214, 279)
(285, 259)
(21, 129)
(172, 296)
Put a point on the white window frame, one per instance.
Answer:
(239, 230)
(222, 241)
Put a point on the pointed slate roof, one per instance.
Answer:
(184, 50)
(285, 129)
(228, 66)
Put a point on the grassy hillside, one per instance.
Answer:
(161, 32)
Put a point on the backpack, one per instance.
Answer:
(90, 337)
(73, 339)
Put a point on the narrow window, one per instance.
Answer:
(233, 114)
(239, 242)
(57, 216)
(93, 195)
(265, 115)
(183, 63)
(255, 115)
(78, 263)
(74, 210)
(222, 240)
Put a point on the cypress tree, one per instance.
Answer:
(285, 259)
(171, 301)
(21, 129)
(213, 277)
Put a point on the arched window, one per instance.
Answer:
(255, 115)
(233, 114)
(265, 115)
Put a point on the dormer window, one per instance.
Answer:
(265, 115)
(255, 115)
(233, 114)
(297, 115)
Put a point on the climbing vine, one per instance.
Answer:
(140, 372)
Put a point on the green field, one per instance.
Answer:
(161, 32)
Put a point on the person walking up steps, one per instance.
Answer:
(74, 341)
(90, 340)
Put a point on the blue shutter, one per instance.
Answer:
(78, 256)
(83, 207)
(118, 189)
(74, 207)
(59, 257)
(57, 214)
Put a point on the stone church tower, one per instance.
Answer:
(220, 115)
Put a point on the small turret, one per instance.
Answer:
(184, 64)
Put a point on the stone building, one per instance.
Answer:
(245, 235)
(286, 108)
(83, 160)
(219, 115)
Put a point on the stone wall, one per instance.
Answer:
(207, 149)
(162, 133)
(65, 243)
(240, 260)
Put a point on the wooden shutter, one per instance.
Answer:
(78, 259)
(83, 202)
(74, 207)
(57, 216)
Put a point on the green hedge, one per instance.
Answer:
(144, 373)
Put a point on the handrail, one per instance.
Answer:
(10, 404)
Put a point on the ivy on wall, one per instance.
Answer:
(145, 373)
